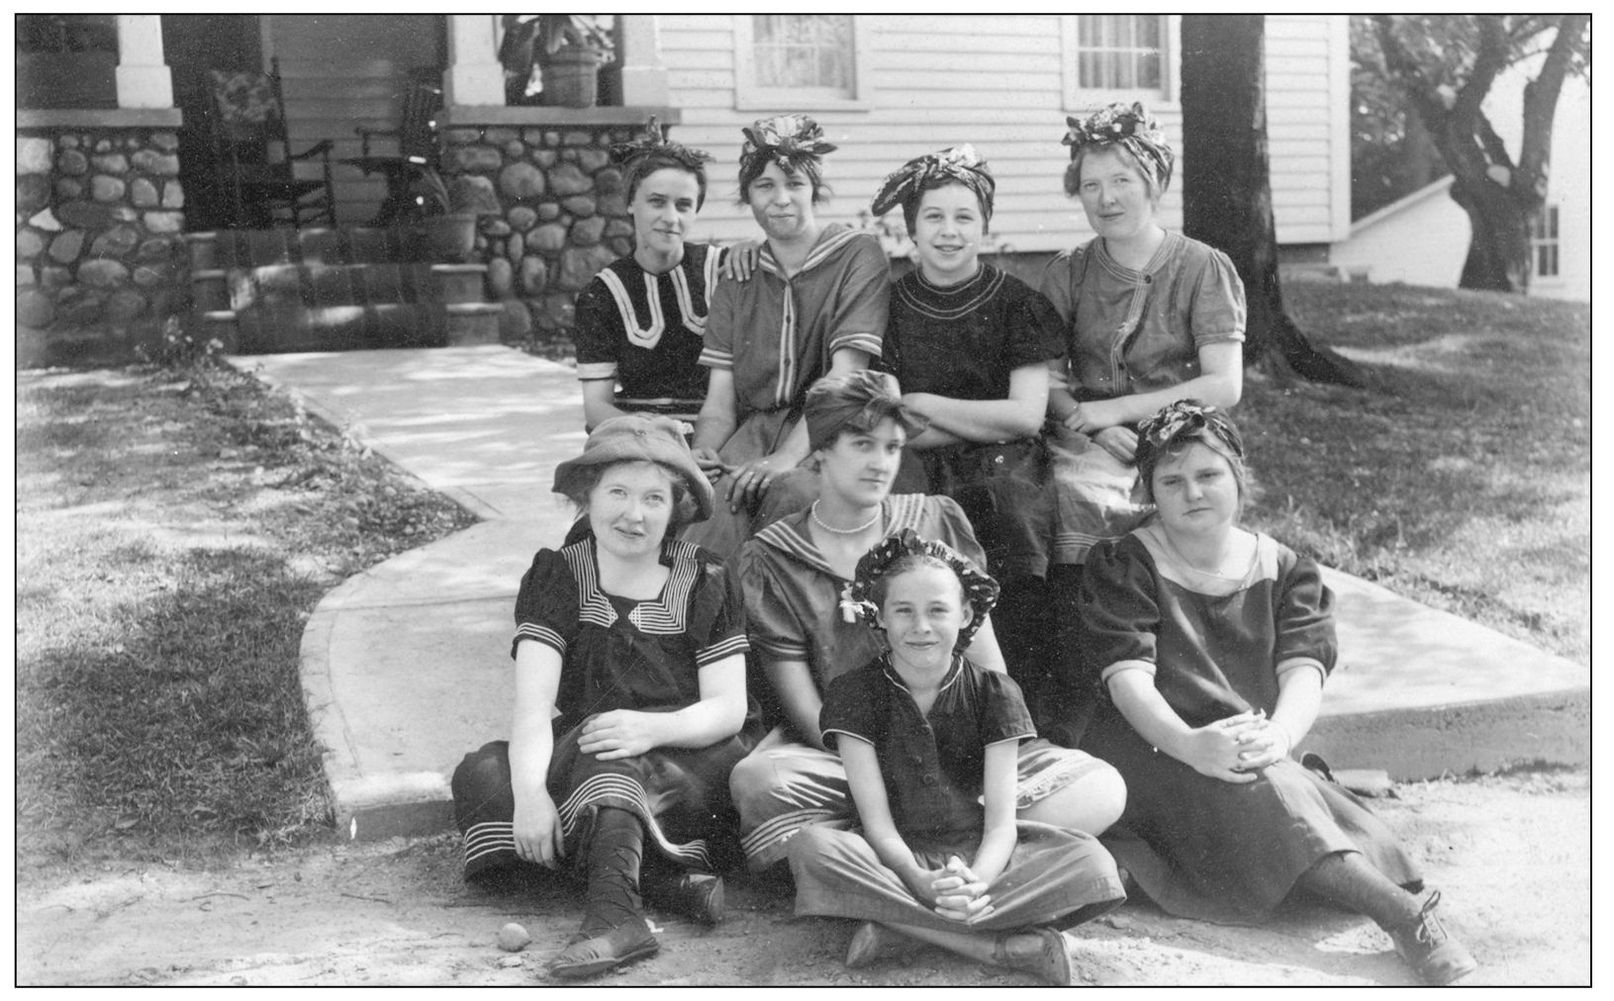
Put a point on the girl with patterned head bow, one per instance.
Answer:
(1205, 649)
(641, 319)
(971, 346)
(1147, 316)
(816, 306)
(931, 744)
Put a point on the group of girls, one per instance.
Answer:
(770, 636)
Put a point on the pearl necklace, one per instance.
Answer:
(844, 531)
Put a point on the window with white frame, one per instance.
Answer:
(1112, 56)
(802, 61)
(1544, 242)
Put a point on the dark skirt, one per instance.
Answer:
(1219, 851)
(1005, 491)
(681, 795)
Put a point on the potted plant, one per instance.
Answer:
(568, 50)
(450, 209)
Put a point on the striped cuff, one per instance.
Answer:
(721, 650)
(713, 358)
(1126, 665)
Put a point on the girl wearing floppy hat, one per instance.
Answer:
(815, 305)
(930, 742)
(970, 346)
(1205, 651)
(795, 575)
(630, 704)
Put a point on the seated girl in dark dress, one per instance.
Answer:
(630, 705)
(1206, 650)
(930, 743)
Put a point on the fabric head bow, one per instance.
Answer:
(859, 597)
(1179, 422)
(957, 163)
(1130, 127)
(861, 399)
(652, 142)
(791, 141)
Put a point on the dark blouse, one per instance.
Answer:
(933, 765)
(645, 331)
(622, 654)
(963, 341)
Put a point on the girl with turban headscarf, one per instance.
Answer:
(816, 305)
(1150, 316)
(970, 346)
(803, 627)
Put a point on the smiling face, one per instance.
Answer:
(630, 507)
(1118, 200)
(947, 231)
(783, 204)
(858, 466)
(663, 208)
(1196, 491)
(922, 614)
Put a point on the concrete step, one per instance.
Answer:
(242, 248)
(282, 328)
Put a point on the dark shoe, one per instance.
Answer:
(1423, 943)
(592, 956)
(1040, 952)
(693, 894)
(871, 943)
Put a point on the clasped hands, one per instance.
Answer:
(748, 481)
(956, 893)
(1236, 748)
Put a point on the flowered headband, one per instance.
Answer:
(980, 590)
(957, 163)
(1180, 421)
(791, 141)
(1130, 127)
(651, 141)
(861, 399)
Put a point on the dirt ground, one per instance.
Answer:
(1511, 855)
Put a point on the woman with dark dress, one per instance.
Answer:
(815, 306)
(640, 320)
(970, 346)
(1206, 650)
(630, 704)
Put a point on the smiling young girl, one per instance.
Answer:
(1206, 650)
(930, 743)
(970, 346)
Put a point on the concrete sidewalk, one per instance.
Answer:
(406, 667)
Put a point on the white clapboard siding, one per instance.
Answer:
(998, 82)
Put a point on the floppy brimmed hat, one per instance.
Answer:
(639, 438)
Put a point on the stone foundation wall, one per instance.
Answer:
(101, 260)
(565, 215)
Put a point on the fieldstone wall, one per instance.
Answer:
(565, 215)
(100, 255)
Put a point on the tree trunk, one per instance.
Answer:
(1227, 191)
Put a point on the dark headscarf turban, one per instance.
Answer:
(906, 185)
(792, 141)
(860, 400)
(651, 142)
(1180, 422)
(1129, 127)
(980, 590)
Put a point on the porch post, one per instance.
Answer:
(638, 46)
(143, 79)
(475, 76)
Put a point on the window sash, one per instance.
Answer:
(1119, 51)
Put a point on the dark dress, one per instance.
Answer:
(933, 766)
(963, 342)
(644, 332)
(1198, 846)
(619, 654)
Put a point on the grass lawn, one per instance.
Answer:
(176, 529)
(1461, 476)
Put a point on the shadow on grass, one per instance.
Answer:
(171, 721)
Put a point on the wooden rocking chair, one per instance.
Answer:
(416, 139)
(256, 159)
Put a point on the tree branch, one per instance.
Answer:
(1541, 100)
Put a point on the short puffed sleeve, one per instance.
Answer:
(1305, 613)
(722, 316)
(1002, 711)
(599, 325)
(1061, 284)
(1119, 607)
(717, 614)
(547, 603)
(855, 704)
(1217, 313)
(862, 304)
(1036, 333)
(776, 633)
